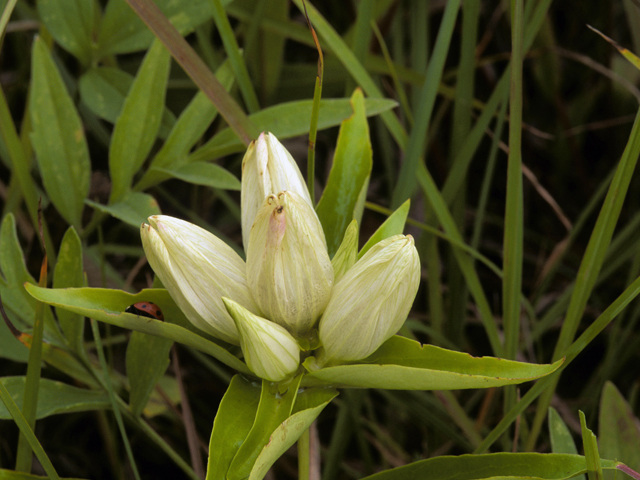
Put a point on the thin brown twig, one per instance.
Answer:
(134, 272)
(598, 67)
(543, 192)
(599, 125)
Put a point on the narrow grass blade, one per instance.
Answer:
(112, 397)
(603, 320)
(407, 179)
(460, 128)
(6, 15)
(32, 383)
(361, 38)
(235, 58)
(633, 59)
(350, 62)
(592, 262)
(27, 432)
(466, 264)
(513, 222)
(591, 455)
(195, 68)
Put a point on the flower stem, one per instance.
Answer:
(303, 456)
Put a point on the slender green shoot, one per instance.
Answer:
(315, 111)
(235, 58)
(26, 430)
(32, 381)
(112, 397)
(513, 223)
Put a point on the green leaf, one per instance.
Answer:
(104, 90)
(147, 360)
(54, 398)
(347, 254)
(137, 126)
(235, 417)
(273, 409)
(13, 475)
(404, 364)
(203, 173)
(351, 168)
(309, 404)
(228, 37)
(135, 208)
(426, 98)
(69, 272)
(287, 120)
(107, 305)
(525, 466)
(561, 439)
(26, 432)
(394, 225)
(10, 346)
(58, 138)
(71, 24)
(591, 455)
(619, 431)
(14, 297)
(189, 129)
(122, 31)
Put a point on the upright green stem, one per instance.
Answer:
(112, 397)
(32, 383)
(315, 112)
(513, 231)
(304, 461)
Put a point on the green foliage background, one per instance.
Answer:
(102, 124)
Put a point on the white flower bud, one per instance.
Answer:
(269, 350)
(267, 168)
(288, 268)
(197, 269)
(371, 301)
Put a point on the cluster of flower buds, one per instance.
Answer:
(287, 288)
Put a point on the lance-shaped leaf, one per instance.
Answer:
(134, 208)
(394, 225)
(71, 24)
(235, 417)
(619, 430)
(404, 364)
(58, 138)
(512, 466)
(147, 360)
(309, 404)
(137, 126)
(351, 168)
(54, 398)
(107, 305)
(273, 409)
(69, 273)
(287, 120)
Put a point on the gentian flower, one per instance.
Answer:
(273, 303)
